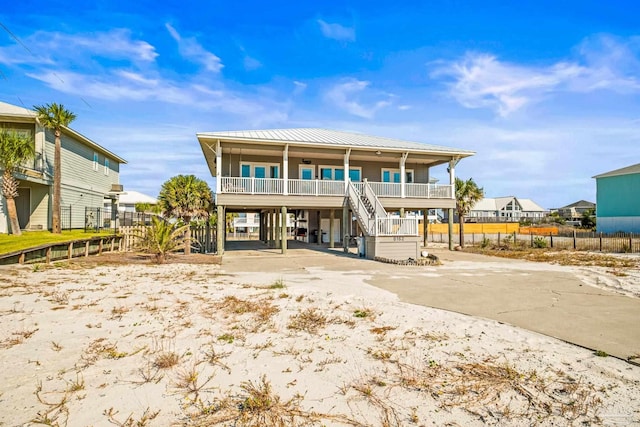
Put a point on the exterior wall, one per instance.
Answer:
(77, 165)
(618, 196)
(392, 248)
(618, 204)
(613, 224)
(370, 170)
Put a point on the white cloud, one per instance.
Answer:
(51, 48)
(337, 31)
(300, 87)
(481, 80)
(347, 96)
(192, 50)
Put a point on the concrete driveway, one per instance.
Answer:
(544, 298)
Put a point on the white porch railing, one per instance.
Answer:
(308, 187)
(394, 226)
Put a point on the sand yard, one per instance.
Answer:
(304, 341)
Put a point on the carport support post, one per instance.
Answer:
(272, 221)
(277, 229)
(220, 229)
(283, 231)
(345, 228)
(450, 215)
(331, 226)
(425, 227)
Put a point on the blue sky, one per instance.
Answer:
(545, 92)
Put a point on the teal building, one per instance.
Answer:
(618, 200)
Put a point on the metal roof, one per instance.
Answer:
(623, 171)
(332, 138)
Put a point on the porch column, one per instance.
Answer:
(331, 227)
(345, 227)
(283, 231)
(403, 175)
(401, 212)
(285, 170)
(425, 227)
(218, 167)
(346, 169)
(452, 181)
(220, 229)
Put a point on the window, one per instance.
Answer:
(95, 161)
(306, 172)
(106, 166)
(393, 175)
(336, 173)
(259, 170)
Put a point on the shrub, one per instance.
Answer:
(539, 242)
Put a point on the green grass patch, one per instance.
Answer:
(29, 239)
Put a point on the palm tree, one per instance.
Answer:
(54, 116)
(467, 195)
(186, 197)
(161, 238)
(14, 151)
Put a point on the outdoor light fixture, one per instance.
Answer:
(306, 162)
(378, 152)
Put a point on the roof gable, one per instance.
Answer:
(633, 169)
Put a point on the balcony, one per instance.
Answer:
(304, 187)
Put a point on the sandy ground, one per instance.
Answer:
(185, 344)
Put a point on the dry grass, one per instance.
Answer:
(257, 405)
(561, 257)
(310, 320)
(166, 360)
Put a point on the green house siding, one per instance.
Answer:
(618, 196)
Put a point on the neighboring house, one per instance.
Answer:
(90, 174)
(618, 200)
(128, 200)
(505, 209)
(249, 223)
(327, 178)
(574, 211)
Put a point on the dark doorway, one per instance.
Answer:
(23, 206)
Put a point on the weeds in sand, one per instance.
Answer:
(283, 295)
(75, 385)
(258, 405)
(166, 360)
(17, 337)
(278, 284)
(361, 313)
(601, 353)
(55, 414)
(215, 358)
(228, 338)
(58, 297)
(365, 387)
(187, 383)
(299, 298)
(55, 346)
(118, 312)
(310, 320)
(143, 421)
(150, 374)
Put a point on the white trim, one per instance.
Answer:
(392, 170)
(305, 166)
(267, 166)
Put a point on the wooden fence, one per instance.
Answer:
(203, 238)
(63, 251)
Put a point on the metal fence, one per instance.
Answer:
(65, 217)
(580, 241)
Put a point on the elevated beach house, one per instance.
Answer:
(339, 185)
(90, 174)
